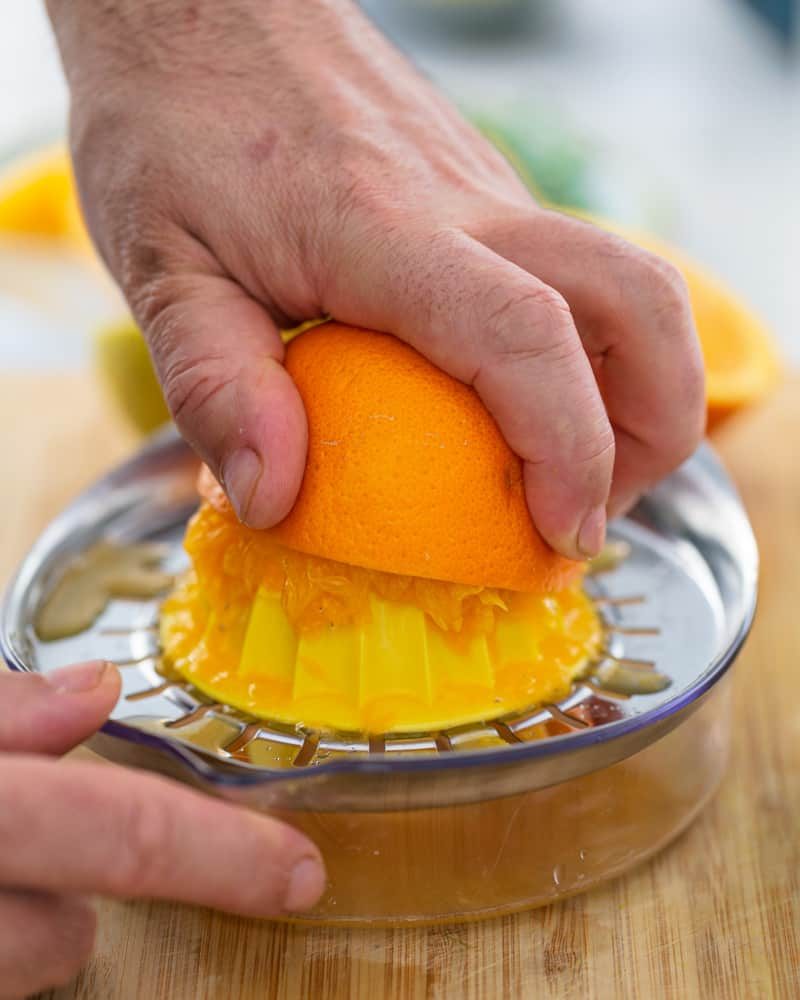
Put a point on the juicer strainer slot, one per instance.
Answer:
(247, 739)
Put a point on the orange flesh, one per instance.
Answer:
(231, 562)
(438, 654)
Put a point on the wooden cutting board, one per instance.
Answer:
(716, 915)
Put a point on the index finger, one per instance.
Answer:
(86, 828)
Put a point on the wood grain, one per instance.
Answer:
(717, 915)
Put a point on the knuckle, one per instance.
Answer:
(364, 227)
(530, 324)
(145, 839)
(363, 178)
(365, 201)
(193, 386)
(656, 278)
(192, 382)
(665, 274)
(597, 449)
(356, 193)
(667, 290)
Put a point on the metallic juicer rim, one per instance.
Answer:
(626, 735)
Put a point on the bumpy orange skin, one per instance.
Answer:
(407, 471)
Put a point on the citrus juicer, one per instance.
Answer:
(444, 822)
(384, 666)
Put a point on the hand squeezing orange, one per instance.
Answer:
(407, 588)
(37, 198)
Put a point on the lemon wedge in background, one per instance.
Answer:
(122, 358)
(38, 197)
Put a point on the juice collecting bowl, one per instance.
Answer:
(474, 821)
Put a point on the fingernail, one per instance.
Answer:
(240, 475)
(592, 534)
(78, 679)
(306, 883)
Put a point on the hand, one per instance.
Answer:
(250, 164)
(71, 830)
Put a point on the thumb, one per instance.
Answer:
(53, 713)
(219, 358)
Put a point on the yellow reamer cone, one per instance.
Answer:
(397, 672)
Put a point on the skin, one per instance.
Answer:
(261, 162)
(243, 167)
(70, 830)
